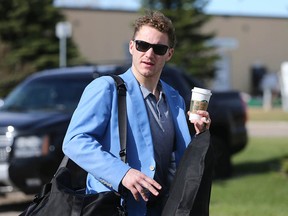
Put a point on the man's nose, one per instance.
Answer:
(150, 52)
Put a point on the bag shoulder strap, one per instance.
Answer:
(122, 115)
(122, 120)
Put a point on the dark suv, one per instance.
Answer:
(36, 114)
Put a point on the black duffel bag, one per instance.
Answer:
(60, 198)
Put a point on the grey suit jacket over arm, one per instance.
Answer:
(191, 187)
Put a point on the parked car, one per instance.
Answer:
(35, 115)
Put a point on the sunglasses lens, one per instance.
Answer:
(142, 46)
(158, 49)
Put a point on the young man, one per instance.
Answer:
(156, 119)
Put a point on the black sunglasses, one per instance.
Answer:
(158, 49)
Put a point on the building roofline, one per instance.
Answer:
(257, 16)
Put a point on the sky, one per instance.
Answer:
(273, 8)
(269, 8)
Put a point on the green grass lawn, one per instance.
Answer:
(257, 187)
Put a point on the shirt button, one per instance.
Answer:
(152, 168)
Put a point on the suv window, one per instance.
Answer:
(47, 94)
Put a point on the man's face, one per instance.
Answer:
(148, 64)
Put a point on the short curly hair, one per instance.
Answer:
(158, 21)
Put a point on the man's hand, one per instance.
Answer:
(140, 184)
(203, 123)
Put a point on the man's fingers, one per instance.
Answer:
(143, 192)
(135, 193)
(152, 182)
(140, 184)
(151, 185)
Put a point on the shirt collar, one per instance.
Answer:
(146, 92)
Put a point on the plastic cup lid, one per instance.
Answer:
(201, 90)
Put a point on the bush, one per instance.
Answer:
(284, 166)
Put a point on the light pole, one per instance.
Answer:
(63, 31)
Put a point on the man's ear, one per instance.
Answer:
(170, 54)
(131, 44)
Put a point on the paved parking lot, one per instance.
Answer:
(268, 129)
(12, 204)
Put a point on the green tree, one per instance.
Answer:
(27, 39)
(192, 51)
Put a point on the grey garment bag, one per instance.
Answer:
(191, 188)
